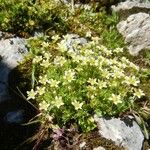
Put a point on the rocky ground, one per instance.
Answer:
(14, 110)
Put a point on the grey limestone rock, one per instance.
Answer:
(124, 133)
(12, 51)
(129, 4)
(129, 7)
(71, 39)
(136, 31)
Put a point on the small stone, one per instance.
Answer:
(82, 145)
(14, 116)
(73, 38)
(99, 148)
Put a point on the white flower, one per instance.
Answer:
(93, 62)
(88, 34)
(47, 55)
(69, 75)
(79, 69)
(106, 74)
(77, 105)
(62, 47)
(117, 72)
(108, 62)
(49, 118)
(54, 83)
(88, 52)
(102, 84)
(59, 61)
(43, 79)
(55, 38)
(132, 65)
(91, 88)
(31, 94)
(115, 98)
(43, 105)
(122, 65)
(45, 63)
(92, 81)
(71, 52)
(75, 57)
(37, 59)
(67, 36)
(84, 60)
(58, 101)
(108, 52)
(86, 7)
(125, 60)
(118, 50)
(131, 80)
(45, 44)
(105, 50)
(41, 90)
(91, 96)
(101, 58)
(138, 93)
(114, 84)
(114, 61)
(96, 39)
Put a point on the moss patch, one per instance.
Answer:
(94, 140)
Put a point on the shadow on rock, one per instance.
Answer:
(14, 112)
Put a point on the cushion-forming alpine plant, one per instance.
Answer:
(83, 80)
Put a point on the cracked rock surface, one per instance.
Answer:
(124, 133)
(12, 51)
(136, 31)
(129, 7)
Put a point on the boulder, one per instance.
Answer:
(129, 7)
(136, 31)
(12, 51)
(124, 132)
